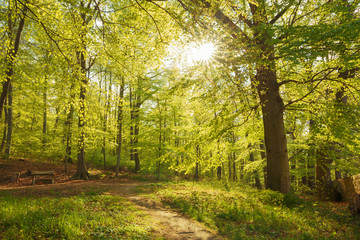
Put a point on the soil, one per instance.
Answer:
(167, 223)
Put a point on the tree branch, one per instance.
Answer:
(281, 13)
(157, 28)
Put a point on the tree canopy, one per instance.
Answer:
(265, 92)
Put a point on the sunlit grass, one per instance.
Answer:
(89, 215)
(245, 213)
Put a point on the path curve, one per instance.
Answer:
(169, 223)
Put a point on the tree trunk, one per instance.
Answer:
(278, 175)
(9, 122)
(136, 133)
(218, 172)
(131, 126)
(230, 166)
(68, 125)
(197, 164)
(120, 123)
(310, 165)
(81, 171)
(107, 107)
(234, 167)
(158, 170)
(10, 57)
(3, 141)
(324, 184)
(263, 157)
(233, 155)
(256, 175)
(44, 129)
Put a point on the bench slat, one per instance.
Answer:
(42, 173)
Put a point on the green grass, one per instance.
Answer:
(88, 215)
(245, 213)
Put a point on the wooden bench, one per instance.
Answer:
(35, 174)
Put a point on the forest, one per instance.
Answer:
(259, 92)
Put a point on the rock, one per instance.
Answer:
(349, 188)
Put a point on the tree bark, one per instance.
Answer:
(68, 131)
(44, 129)
(9, 123)
(131, 125)
(81, 171)
(158, 167)
(323, 176)
(136, 122)
(263, 157)
(197, 164)
(256, 177)
(120, 124)
(230, 166)
(278, 175)
(10, 57)
(3, 141)
(86, 17)
(107, 108)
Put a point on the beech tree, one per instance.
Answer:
(283, 77)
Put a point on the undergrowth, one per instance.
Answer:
(239, 212)
(89, 215)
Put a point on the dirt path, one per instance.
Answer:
(169, 223)
(166, 223)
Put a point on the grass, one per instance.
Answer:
(245, 213)
(88, 215)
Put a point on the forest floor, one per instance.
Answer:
(165, 223)
(138, 207)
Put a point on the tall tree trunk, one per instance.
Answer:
(136, 133)
(131, 125)
(218, 161)
(278, 175)
(218, 172)
(120, 124)
(81, 171)
(3, 141)
(263, 157)
(44, 129)
(86, 17)
(311, 172)
(10, 56)
(230, 166)
(323, 174)
(197, 163)
(9, 122)
(158, 164)
(68, 131)
(234, 158)
(234, 166)
(107, 108)
(256, 175)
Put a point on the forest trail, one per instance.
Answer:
(165, 222)
(169, 223)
